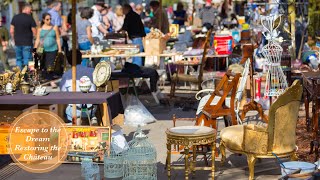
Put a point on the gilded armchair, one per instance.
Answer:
(278, 137)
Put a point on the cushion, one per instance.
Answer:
(233, 137)
(192, 130)
(204, 100)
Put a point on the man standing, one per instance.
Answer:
(49, 6)
(56, 19)
(98, 30)
(23, 29)
(135, 29)
(208, 15)
(157, 14)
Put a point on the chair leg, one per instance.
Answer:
(194, 158)
(173, 88)
(168, 161)
(223, 153)
(233, 118)
(186, 153)
(251, 162)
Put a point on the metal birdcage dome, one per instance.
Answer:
(140, 160)
(90, 170)
(113, 164)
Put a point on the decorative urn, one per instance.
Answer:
(84, 84)
(25, 87)
(9, 88)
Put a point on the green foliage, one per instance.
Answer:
(166, 3)
(314, 17)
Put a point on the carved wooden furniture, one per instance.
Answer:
(215, 106)
(279, 137)
(190, 137)
(189, 78)
(311, 88)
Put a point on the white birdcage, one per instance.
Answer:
(276, 81)
(90, 170)
(113, 164)
(140, 161)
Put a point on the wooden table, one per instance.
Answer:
(216, 56)
(172, 55)
(311, 89)
(100, 98)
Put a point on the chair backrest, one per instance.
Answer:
(204, 56)
(283, 116)
(241, 86)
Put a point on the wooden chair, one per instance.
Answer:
(279, 137)
(215, 106)
(176, 78)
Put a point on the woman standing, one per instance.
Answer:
(48, 38)
(180, 15)
(85, 39)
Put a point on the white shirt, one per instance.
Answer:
(96, 21)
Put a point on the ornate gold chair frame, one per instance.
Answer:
(190, 141)
(279, 137)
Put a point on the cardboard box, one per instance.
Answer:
(119, 120)
(113, 85)
(154, 46)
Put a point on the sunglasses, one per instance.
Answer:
(48, 19)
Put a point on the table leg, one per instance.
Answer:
(186, 153)
(169, 160)
(227, 62)
(316, 126)
(213, 148)
(105, 115)
(306, 106)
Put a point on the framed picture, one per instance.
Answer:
(84, 141)
(174, 30)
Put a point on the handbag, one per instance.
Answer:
(40, 48)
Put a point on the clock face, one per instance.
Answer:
(101, 73)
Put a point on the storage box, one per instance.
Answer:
(154, 46)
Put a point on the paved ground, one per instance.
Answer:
(236, 168)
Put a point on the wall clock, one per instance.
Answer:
(101, 75)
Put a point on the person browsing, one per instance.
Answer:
(23, 29)
(135, 29)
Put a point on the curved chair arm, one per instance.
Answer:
(203, 82)
(198, 97)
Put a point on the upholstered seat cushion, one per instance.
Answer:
(233, 137)
(185, 77)
(191, 130)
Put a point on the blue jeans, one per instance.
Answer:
(137, 60)
(85, 46)
(23, 55)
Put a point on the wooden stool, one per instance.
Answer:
(190, 136)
